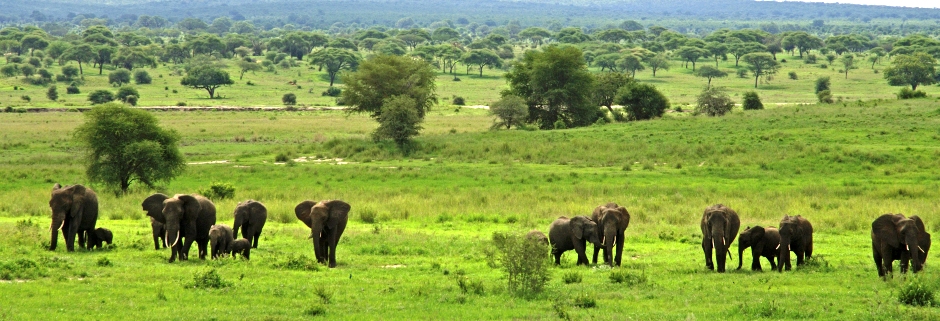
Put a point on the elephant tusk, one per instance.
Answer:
(908, 247)
(61, 225)
(166, 236)
(177, 238)
(778, 246)
(922, 250)
(788, 248)
(713, 243)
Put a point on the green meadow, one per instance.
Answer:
(414, 247)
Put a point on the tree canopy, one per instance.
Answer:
(335, 60)
(384, 76)
(556, 86)
(913, 70)
(206, 77)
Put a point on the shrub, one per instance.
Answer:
(52, 94)
(714, 102)
(332, 92)
(209, 279)
(824, 96)
(626, 277)
(584, 301)
(281, 158)
(399, 121)
(125, 92)
(571, 277)
(525, 263)
(459, 101)
(822, 83)
(35, 62)
(289, 99)
(141, 77)
(131, 100)
(742, 73)
(469, 286)
(44, 74)
(509, 111)
(751, 101)
(793, 75)
(915, 292)
(823, 66)
(810, 59)
(367, 215)
(26, 98)
(642, 101)
(316, 309)
(104, 261)
(70, 71)
(906, 93)
(219, 191)
(783, 60)
(300, 263)
(181, 103)
(560, 124)
(119, 77)
(72, 90)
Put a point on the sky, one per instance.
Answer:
(895, 3)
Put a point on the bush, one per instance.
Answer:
(281, 158)
(906, 93)
(584, 301)
(751, 101)
(209, 279)
(44, 74)
(916, 293)
(783, 60)
(141, 77)
(35, 62)
(459, 101)
(823, 66)
(70, 71)
(289, 99)
(119, 77)
(560, 124)
(180, 103)
(509, 111)
(131, 100)
(525, 263)
(72, 90)
(793, 75)
(824, 96)
(333, 92)
(26, 98)
(714, 102)
(125, 92)
(300, 263)
(104, 261)
(367, 215)
(399, 121)
(219, 191)
(822, 83)
(642, 101)
(810, 59)
(742, 73)
(571, 277)
(52, 94)
(626, 277)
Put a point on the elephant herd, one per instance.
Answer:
(894, 237)
(182, 219)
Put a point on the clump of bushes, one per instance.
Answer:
(72, 90)
(751, 101)
(300, 263)
(209, 279)
(141, 77)
(100, 97)
(824, 96)
(793, 75)
(810, 59)
(742, 73)
(626, 277)
(459, 101)
(524, 262)
(906, 93)
(571, 277)
(714, 102)
(916, 293)
(219, 191)
(289, 99)
(332, 92)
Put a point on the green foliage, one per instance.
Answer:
(26, 98)
(571, 277)
(906, 93)
(606, 87)
(584, 301)
(793, 75)
(289, 99)
(761, 64)
(208, 77)
(458, 101)
(824, 96)
(72, 90)
(119, 77)
(52, 94)
(751, 101)
(131, 100)
(525, 263)
(714, 102)
(398, 121)
(100, 97)
(104, 262)
(382, 77)
(219, 191)
(509, 111)
(124, 93)
(125, 145)
(627, 277)
(335, 60)
(298, 262)
(915, 292)
(642, 101)
(556, 86)
(742, 73)
(209, 279)
(710, 72)
(822, 84)
(469, 286)
(332, 92)
(913, 70)
(368, 216)
(141, 77)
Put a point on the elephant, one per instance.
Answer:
(241, 246)
(572, 234)
(159, 230)
(612, 220)
(250, 216)
(895, 237)
(75, 212)
(796, 235)
(537, 236)
(326, 220)
(763, 241)
(720, 226)
(220, 238)
(187, 217)
(99, 236)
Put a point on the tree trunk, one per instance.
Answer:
(693, 65)
(756, 76)
(709, 83)
(81, 72)
(212, 92)
(481, 70)
(332, 76)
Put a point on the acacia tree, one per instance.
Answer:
(80, 53)
(848, 61)
(481, 58)
(335, 60)
(509, 111)
(606, 86)
(691, 54)
(761, 64)
(916, 69)
(125, 145)
(710, 72)
(206, 77)
(658, 62)
(556, 85)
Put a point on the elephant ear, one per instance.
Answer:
(56, 187)
(78, 197)
(626, 217)
(154, 207)
(338, 211)
(885, 228)
(757, 233)
(304, 213)
(598, 213)
(919, 223)
(577, 227)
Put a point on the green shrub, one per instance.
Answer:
(52, 94)
(209, 279)
(100, 97)
(125, 92)
(70, 71)
(793, 75)
(469, 286)
(131, 100)
(299, 262)
(714, 102)
(824, 96)
(642, 101)
(751, 101)
(181, 103)
(289, 99)
(626, 277)
(219, 191)
(916, 293)
(742, 73)
(571, 277)
(822, 83)
(324, 294)
(367, 215)
(26, 98)
(525, 263)
(72, 90)
(316, 309)
(585, 301)
(333, 92)
(907, 93)
(141, 77)
(104, 261)
(810, 59)
(119, 77)
(459, 101)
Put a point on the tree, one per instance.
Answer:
(714, 102)
(739, 49)
(710, 72)
(751, 101)
(914, 70)
(124, 94)
(34, 42)
(289, 99)
(481, 58)
(126, 145)
(642, 101)
(141, 77)
(335, 60)
(119, 77)
(383, 76)
(206, 77)
(630, 63)
(10, 70)
(658, 62)
(246, 66)
(717, 50)
(535, 34)
(802, 41)
(875, 54)
(27, 70)
(848, 61)
(100, 97)
(399, 120)
(608, 62)
(761, 64)
(606, 87)
(691, 54)
(509, 111)
(130, 57)
(556, 85)
(52, 94)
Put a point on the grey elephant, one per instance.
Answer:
(763, 241)
(572, 234)
(720, 226)
(75, 212)
(241, 246)
(98, 236)
(220, 240)
(186, 217)
(796, 235)
(159, 232)
(326, 220)
(612, 220)
(250, 216)
(895, 237)
(537, 236)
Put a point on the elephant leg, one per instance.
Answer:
(332, 253)
(596, 251)
(580, 248)
(619, 255)
(706, 247)
(773, 266)
(202, 249)
(156, 242)
(184, 255)
(81, 239)
(557, 254)
(175, 250)
(255, 236)
(799, 256)
(70, 241)
(755, 259)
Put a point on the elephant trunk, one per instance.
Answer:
(783, 254)
(58, 222)
(913, 247)
(742, 245)
(720, 247)
(237, 225)
(175, 231)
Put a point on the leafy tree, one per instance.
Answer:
(124, 92)
(642, 101)
(831, 58)
(70, 72)
(385, 76)
(27, 70)
(509, 111)
(571, 35)
(335, 60)
(822, 83)
(802, 41)
(141, 77)
(751, 101)
(535, 34)
(246, 66)
(630, 63)
(914, 70)
(714, 102)
(613, 35)
(102, 56)
(34, 42)
(52, 94)
(390, 47)
(130, 57)
(608, 62)
(556, 85)
(762, 64)
(606, 87)
(100, 97)
(658, 62)
(691, 54)
(481, 58)
(443, 34)
(126, 145)
(10, 70)
(414, 37)
(206, 77)
(739, 49)
(289, 99)
(875, 54)
(717, 50)
(848, 61)
(398, 121)
(710, 72)
(119, 77)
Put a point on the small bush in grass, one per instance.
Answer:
(742, 73)
(783, 60)
(219, 191)
(793, 75)
(751, 101)
(324, 294)
(714, 102)
(100, 97)
(906, 93)
(823, 66)
(810, 59)
(281, 158)
(289, 99)
(181, 103)
(300, 263)
(626, 277)
(141, 77)
(26, 98)
(585, 301)
(571, 277)
(915, 292)
(104, 261)
(825, 96)
(822, 83)
(469, 286)
(316, 309)
(209, 279)
(332, 92)
(524, 262)
(72, 90)
(459, 101)
(131, 100)
(125, 92)
(560, 124)
(52, 94)
(367, 215)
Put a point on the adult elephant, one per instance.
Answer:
(572, 234)
(612, 220)
(895, 237)
(796, 235)
(720, 226)
(220, 240)
(186, 217)
(75, 212)
(250, 216)
(326, 220)
(159, 233)
(763, 241)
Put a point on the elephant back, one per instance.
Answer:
(884, 229)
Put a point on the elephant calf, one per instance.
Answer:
(241, 246)
(572, 234)
(220, 239)
(159, 230)
(537, 236)
(99, 236)
(763, 241)
(250, 217)
(796, 235)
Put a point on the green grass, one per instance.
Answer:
(839, 165)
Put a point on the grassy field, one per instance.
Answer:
(839, 165)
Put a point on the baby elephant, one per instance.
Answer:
(537, 237)
(572, 234)
(99, 236)
(221, 239)
(763, 241)
(242, 246)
